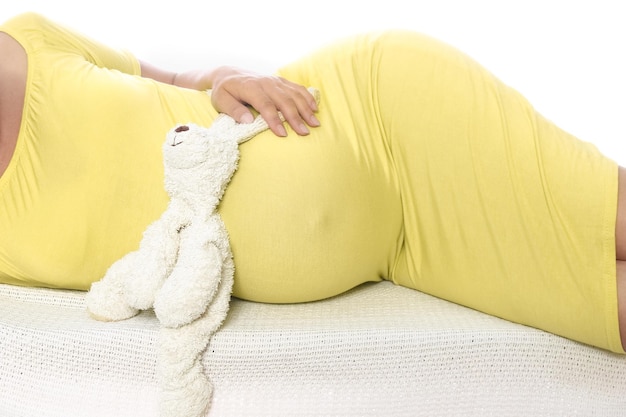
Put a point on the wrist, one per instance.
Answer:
(195, 80)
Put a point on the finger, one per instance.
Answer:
(304, 101)
(305, 106)
(307, 95)
(234, 100)
(226, 103)
(269, 112)
(292, 116)
(294, 104)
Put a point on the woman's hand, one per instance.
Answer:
(234, 89)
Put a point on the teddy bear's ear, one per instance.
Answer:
(247, 131)
(315, 93)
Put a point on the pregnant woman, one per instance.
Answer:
(418, 166)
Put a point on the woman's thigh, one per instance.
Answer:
(502, 210)
(620, 226)
(620, 250)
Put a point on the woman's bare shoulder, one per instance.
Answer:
(13, 69)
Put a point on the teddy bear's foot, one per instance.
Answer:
(190, 400)
(185, 388)
(105, 302)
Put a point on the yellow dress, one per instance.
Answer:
(86, 175)
(427, 171)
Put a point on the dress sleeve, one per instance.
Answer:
(33, 31)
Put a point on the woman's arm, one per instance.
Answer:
(234, 89)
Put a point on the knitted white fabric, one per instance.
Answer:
(379, 350)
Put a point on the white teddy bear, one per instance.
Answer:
(183, 267)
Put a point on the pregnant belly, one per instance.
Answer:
(309, 218)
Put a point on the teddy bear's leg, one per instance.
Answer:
(105, 300)
(194, 280)
(185, 387)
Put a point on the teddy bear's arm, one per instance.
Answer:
(192, 285)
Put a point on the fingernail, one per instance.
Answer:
(247, 118)
(281, 131)
(303, 129)
(313, 121)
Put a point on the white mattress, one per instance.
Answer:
(379, 350)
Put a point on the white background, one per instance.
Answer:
(566, 57)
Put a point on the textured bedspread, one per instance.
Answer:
(379, 350)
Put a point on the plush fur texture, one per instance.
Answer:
(183, 267)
